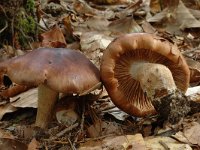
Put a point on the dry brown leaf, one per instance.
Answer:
(159, 17)
(81, 7)
(129, 10)
(33, 145)
(180, 137)
(125, 25)
(128, 142)
(11, 144)
(192, 133)
(185, 19)
(147, 27)
(158, 5)
(111, 2)
(100, 128)
(65, 111)
(25, 131)
(7, 108)
(97, 23)
(195, 13)
(14, 90)
(93, 44)
(25, 99)
(6, 134)
(175, 19)
(193, 91)
(67, 117)
(92, 41)
(163, 143)
(53, 38)
(194, 69)
(155, 6)
(68, 29)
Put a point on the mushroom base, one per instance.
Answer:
(173, 107)
(46, 102)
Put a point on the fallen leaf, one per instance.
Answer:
(93, 44)
(185, 19)
(180, 137)
(14, 90)
(7, 108)
(111, 2)
(128, 142)
(155, 6)
(125, 25)
(179, 18)
(68, 29)
(25, 131)
(194, 67)
(33, 145)
(195, 13)
(6, 134)
(163, 143)
(25, 99)
(100, 128)
(53, 38)
(192, 134)
(147, 27)
(91, 41)
(11, 144)
(159, 17)
(192, 91)
(97, 23)
(81, 7)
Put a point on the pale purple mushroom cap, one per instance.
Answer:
(63, 70)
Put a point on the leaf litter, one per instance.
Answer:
(90, 27)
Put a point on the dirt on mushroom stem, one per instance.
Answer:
(157, 83)
(172, 107)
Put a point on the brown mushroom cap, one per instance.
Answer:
(126, 92)
(63, 70)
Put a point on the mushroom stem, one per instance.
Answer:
(46, 102)
(157, 82)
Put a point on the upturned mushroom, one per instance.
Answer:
(145, 74)
(54, 71)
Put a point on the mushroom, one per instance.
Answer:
(53, 70)
(145, 74)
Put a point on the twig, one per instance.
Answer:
(12, 30)
(58, 142)
(72, 146)
(45, 23)
(164, 145)
(97, 138)
(61, 133)
(6, 25)
(82, 123)
(4, 12)
(191, 50)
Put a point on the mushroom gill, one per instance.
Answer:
(139, 69)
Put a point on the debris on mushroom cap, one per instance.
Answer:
(62, 70)
(126, 92)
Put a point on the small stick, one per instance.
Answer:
(61, 133)
(6, 25)
(81, 125)
(164, 145)
(72, 146)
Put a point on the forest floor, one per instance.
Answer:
(90, 27)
